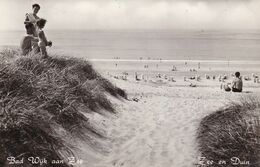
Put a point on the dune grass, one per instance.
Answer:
(43, 101)
(231, 136)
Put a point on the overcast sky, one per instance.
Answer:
(135, 14)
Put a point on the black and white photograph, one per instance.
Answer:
(129, 83)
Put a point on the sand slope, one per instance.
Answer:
(160, 129)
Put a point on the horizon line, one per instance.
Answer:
(178, 60)
(144, 29)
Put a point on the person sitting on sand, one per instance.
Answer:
(236, 85)
(32, 17)
(28, 42)
(43, 42)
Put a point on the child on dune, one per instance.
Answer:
(43, 42)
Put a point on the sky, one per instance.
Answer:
(135, 14)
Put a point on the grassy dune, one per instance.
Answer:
(231, 136)
(42, 105)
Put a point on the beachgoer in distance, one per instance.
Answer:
(28, 42)
(43, 42)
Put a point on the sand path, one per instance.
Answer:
(160, 129)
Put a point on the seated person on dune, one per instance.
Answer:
(236, 85)
(28, 42)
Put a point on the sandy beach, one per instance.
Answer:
(158, 123)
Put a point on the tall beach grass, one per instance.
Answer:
(231, 136)
(42, 105)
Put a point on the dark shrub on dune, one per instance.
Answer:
(26, 133)
(43, 102)
(231, 136)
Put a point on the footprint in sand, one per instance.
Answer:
(152, 155)
(164, 153)
(151, 135)
(186, 128)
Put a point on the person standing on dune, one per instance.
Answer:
(32, 17)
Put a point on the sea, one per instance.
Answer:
(216, 45)
(159, 50)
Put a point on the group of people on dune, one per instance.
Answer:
(35, 39)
